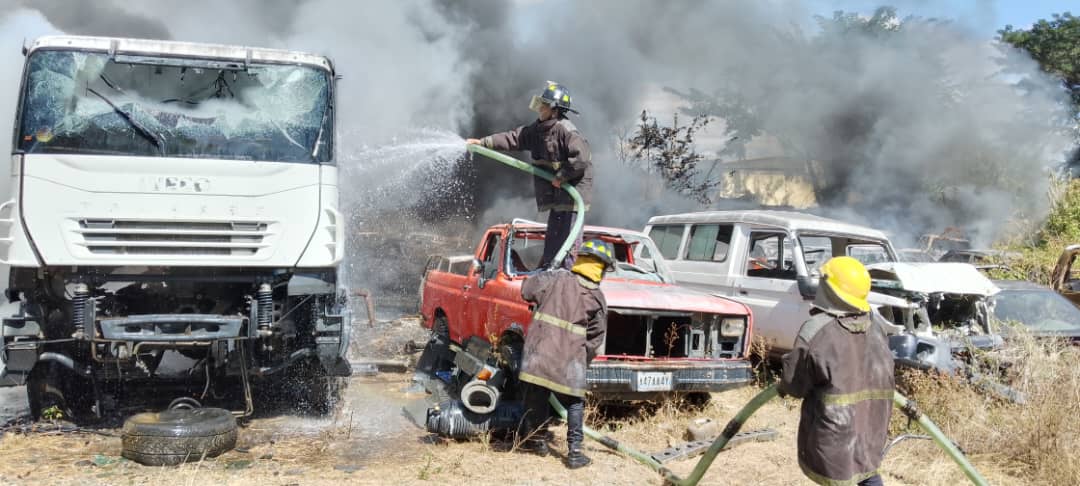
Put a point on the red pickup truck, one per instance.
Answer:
(660, 337)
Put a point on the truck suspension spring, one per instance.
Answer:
(265, 300)
(81, 295)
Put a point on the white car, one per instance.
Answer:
(770, 260)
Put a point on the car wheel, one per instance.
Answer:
(176, 436)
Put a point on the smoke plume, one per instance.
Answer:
(919, 123)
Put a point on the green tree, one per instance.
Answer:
(1055, 45)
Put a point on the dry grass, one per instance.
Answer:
(1035, 442)
(1009, 444)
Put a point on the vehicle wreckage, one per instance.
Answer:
(661, 338)
(172, 197)
(936, 314)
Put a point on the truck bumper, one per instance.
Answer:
(642, 380)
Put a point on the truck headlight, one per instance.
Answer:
(732, 326)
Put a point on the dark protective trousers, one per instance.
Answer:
(559, 225)
(538, 414)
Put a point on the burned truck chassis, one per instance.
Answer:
(85, 337)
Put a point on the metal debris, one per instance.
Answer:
(694, 448)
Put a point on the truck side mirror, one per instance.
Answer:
(478, 270)
(807, 286)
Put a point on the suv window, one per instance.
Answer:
(770, 256)
(709, 242)
(667, 239)
(816, 251)
(868, 254)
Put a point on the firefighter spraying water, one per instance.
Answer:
(556, 145)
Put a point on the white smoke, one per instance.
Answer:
(920, 128)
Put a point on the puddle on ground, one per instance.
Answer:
(370, 424)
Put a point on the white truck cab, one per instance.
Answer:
(767, 260)
(171, 196)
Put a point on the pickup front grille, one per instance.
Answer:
(171, 238)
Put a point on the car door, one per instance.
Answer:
(765, 280)
(475, 309)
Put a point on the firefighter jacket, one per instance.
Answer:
(567, 329)
(842, 368)
(555, 146)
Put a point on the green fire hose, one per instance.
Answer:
(733, 426)
(579, 206)
(901, 402)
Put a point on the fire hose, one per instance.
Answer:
(579, 206)
(901, 402)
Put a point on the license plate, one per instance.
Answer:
(654, 382)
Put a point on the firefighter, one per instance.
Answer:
(556, 146)
(842, 368)
(566, 332)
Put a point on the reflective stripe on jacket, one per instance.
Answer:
(567, 328)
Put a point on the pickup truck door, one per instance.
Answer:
(499, 304)
(765, 280)
(477, 291)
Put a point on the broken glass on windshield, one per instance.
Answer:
(89, 103)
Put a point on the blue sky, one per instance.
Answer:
(983, 17)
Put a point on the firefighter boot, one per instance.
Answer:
(576, 458)
(535, 445)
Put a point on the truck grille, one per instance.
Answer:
(142, 237)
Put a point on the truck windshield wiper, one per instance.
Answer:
(322, 128)
(153, 137)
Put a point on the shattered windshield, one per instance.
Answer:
(90, 103)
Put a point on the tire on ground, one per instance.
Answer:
(176, 436)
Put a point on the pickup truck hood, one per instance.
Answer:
(929, 278)
(633, 294)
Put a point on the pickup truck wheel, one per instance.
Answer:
(175, 436)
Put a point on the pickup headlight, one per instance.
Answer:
(732, 326)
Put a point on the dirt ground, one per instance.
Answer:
(369, 440)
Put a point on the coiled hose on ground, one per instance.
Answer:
(901, 402)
